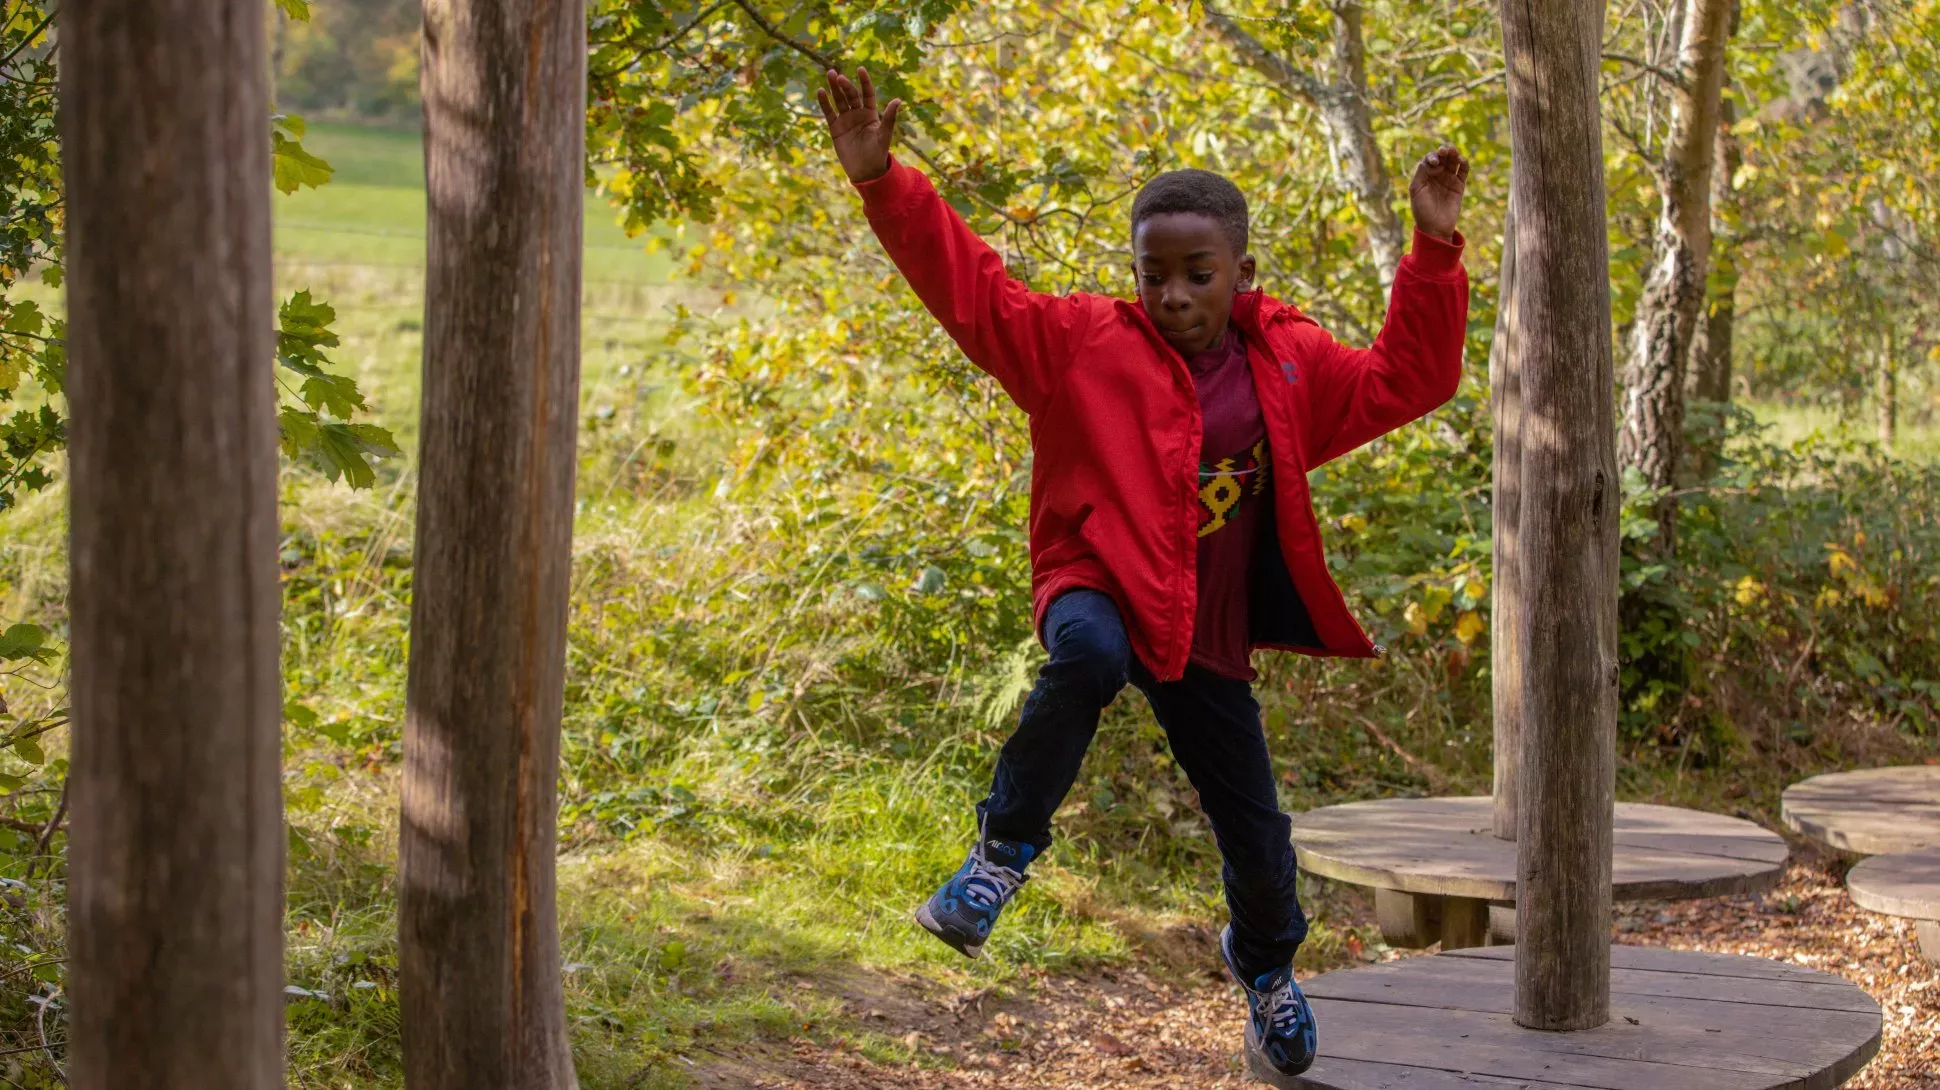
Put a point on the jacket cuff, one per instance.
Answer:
(1436, 257)
(888, 188)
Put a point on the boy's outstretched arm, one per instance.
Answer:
(1020, 337)
(1415, 363)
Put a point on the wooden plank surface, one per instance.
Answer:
(1872, 811)
(1900, 884)
(1807, 997)
(1680, 1021)
(1445, 846)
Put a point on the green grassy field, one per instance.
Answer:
(1918, 437)
(371, 214)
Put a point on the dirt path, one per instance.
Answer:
(1125, 1028)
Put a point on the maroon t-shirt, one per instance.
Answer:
(1234, 504)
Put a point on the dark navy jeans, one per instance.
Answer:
(1213, 726)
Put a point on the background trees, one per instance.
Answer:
(798, 615)
(175, 919)
(478, 932)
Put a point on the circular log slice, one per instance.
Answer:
(1900, 884)
(1446, 846)
(1678, 1021)
(1871, 811)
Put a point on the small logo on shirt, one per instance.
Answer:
(1292, 373)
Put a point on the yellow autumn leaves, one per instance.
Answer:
(1435, 600)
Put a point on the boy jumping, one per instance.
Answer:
(1171, 531)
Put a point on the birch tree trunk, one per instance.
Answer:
(1342, 103)
(1889, 393)
(175, 909)
(1711, 342)
(1653, 414)
(1566, 527)
(504, 103)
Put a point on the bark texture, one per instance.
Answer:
(1566, 530)
(504, 102)
(1342, 103)
(1711, 342)
(1888, 393)
(1505, 613)
(176, 853)
(1674, 287)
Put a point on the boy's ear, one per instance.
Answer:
(1244, 282)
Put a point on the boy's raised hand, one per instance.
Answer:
(861, 135)
(1436, 191)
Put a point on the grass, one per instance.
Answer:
(682, 925)
(372, 213)
(739, 848)
(1917, 438)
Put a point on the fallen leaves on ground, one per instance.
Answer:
(1127, 1028)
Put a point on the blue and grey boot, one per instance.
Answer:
(965, 909)
(1281, 1038)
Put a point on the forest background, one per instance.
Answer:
(800, 613)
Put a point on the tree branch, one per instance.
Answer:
(1265, 61)
(664, 43)
(1665, 74)
(826, 62)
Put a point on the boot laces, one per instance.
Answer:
(1279, 1007)
(989, 884)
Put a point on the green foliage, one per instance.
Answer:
(32, 343)
(348, 58)
(338, 447)
(292, 168)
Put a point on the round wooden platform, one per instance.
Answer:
(1871, 812)
(1903, 884)
(1445, 847)
(1678, 1021)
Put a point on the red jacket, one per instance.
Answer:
(1115, 421)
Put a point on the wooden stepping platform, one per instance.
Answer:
(1678, 1021)
(1903, 884)
(1871, 811)
(1438, 870)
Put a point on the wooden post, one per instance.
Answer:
(1567, 523)
(175, 909)
(1505, 616)
(504, 102)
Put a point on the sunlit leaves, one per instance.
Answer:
(339, 447)
(25, 641)
(291, 167)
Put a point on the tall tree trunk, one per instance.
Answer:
(1566, 529)
(1342, 103)
(1889, 394)
(1653, 416)
(1505, 614)
(504, 103)
(175, 910)
(1711, 342)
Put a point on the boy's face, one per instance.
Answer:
(1187, 276)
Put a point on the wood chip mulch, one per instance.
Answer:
(1126, 1028)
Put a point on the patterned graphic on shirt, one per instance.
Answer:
(1225, 485)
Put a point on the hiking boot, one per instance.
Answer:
(965, 909)
(1281, 1039)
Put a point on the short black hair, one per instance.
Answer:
(1198, 191)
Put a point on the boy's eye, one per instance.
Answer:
(1202, 278)
(1153, 279)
